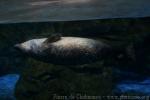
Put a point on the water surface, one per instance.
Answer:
(60, 10)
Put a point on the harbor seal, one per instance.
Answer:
(65, 50)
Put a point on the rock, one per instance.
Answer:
(42, 81)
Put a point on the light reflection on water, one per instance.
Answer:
(133, 86)
(7, 86)
(47, 2)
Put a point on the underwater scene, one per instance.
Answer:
(117, 66)
(74, 50)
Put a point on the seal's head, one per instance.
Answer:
(35, 46)
(31, 46)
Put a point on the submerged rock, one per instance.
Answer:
(42, 81)
(7, 86)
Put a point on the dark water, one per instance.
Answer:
(60, 10)
(38, 78)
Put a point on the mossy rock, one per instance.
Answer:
(42, 81)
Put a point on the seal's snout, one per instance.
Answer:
(17, 47)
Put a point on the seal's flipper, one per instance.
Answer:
(53, 38)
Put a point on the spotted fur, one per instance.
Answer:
(67, 50)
